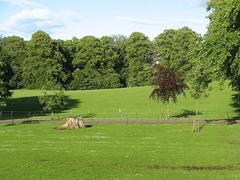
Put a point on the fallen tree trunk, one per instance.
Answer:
(73, 123)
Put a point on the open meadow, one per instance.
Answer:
(41, 151)
(130, 103)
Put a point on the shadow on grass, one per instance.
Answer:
(64, 129)
(236, 105)
(186, 113)
(28, 107)
(30, 122)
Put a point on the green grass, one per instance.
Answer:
(124, 152)
(132, 103)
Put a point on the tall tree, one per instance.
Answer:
(45, 63)
(174, 49)
(94, 64)
(140, 60)
(168, 84)
(15, 51)
(66, 52)
(4, 76)
(121, 67)
(221, 45)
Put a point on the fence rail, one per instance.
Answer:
(186, 115)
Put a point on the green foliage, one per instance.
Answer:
(15, 51)
(121, 67)
(200, 75)
(45, 63)
(174, 49)
(53, 102)
(4, 75)
(221, 44)
(94, 64)
(140, 59)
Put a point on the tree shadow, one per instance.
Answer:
(186, 113)
(27, 107)
(236, 105)
(23, 104)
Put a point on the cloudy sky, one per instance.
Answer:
(67, 18)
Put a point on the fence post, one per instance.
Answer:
(52, 115)
(12, 117)
(29, 115)
(227, 116)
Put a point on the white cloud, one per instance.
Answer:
(160, 22)
(66, 24)
(202, 3)
(36, 13)
(139, 21)
(30, 20)
(20, 2)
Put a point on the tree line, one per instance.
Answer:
(93, 63)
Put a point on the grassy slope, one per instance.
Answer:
(120, 152)
(134, 103)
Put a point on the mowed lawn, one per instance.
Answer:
(132, 103)
(40, 151)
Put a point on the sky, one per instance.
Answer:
(64, 19)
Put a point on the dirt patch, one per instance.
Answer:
(195, 168)
(208, 168)
(157, 167)
(234, 143)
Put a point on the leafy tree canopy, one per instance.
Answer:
(139, 56)
(45, 63)
(221, 45)
(173, 48)
(168, 84)
(4, 84)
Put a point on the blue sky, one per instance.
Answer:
(65, 19)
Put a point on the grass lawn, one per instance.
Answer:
(132, 103)
(40, 151)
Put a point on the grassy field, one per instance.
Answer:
(124, 152)
(132, 103)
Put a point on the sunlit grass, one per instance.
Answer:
(105, 152)
(133, 103)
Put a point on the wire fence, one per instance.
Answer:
(185, 115)
(31, 115)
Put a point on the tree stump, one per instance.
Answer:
(73, 123)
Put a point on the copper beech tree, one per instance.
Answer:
(168, 84)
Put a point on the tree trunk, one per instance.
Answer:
(73, 123)
(167, 113)
(196, 108)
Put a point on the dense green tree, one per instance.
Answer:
(200, 75)
(94, 64)
(53, 101)
(65, 51)
(44, 66)
(174, 49)
(121, 66)
(86, 60)
(4, 76)
(15, 51)
(139, 56)
(221, 45)
(110, 62)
